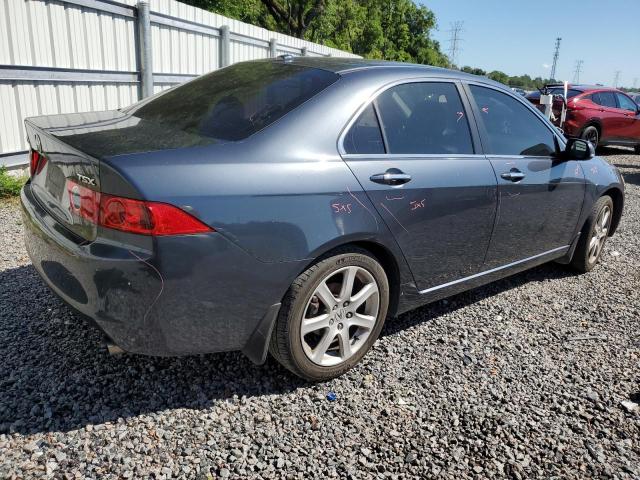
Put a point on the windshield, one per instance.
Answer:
(237, 101)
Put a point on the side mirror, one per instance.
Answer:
(579, 149)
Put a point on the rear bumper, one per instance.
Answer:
(187, 294)
(572, 128)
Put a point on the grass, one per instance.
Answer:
(10, 185)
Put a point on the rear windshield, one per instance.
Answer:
(235, 102)
(560, 91)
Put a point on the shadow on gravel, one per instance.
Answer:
(609, 151)
(55, 374)
(629, 177)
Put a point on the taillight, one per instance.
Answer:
(33, 161)
(37, 161)
(83, 202)
(577, 104)
(133, 216)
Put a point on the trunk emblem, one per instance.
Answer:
(38, 142)
(86, 180)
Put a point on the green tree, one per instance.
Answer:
(474, 71)
(385, 29)
(294, 17)
(499, 76)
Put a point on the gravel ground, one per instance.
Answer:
(537, 375)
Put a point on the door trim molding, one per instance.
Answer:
(493, 270)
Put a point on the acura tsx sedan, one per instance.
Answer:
(292, 205)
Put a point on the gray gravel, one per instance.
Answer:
(533, 376)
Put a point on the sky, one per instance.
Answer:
(518, 37)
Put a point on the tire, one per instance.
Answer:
(592, 134)
(347, 343)
(637, 149)
(594, 230)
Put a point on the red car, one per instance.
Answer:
(604, 116)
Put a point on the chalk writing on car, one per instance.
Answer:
(341, 207)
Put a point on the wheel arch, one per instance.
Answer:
(618, 204)
(592, 122)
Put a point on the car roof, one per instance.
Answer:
(345, 65)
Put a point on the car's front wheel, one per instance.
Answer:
(331, 315)
(593, 235)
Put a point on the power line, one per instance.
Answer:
(454, 41)
(616, 78)
(556, 54)
(576, 72)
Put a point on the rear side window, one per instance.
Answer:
(424, 118)
(606, 99)
(626, 103)
(364, 136)
(235, 102)
(512, 128)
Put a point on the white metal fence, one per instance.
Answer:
(63, 56)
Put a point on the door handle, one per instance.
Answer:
(513, 175)
(392, 176)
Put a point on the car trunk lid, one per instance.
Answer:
(62, 177)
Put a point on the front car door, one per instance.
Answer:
(539, 197)
(630, 130)
(611, 117)
(414, 152)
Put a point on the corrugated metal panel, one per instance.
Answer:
(70, 34)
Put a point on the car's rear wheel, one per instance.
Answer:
(593, 235)
(592, 135)
(331, 315)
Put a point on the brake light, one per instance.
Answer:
(577, 104)
(36, 162)
(133, 216)
(83, 202)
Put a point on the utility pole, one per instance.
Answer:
(616, 78)
(576, 72)
(556, 54)
(454, 41)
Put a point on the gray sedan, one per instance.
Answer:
(293, 205)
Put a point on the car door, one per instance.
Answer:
(539, 197)
(611, 117)
(630, 130)
(414, 153)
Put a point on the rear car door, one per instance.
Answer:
(539, 197)
(630, 130)
(414, 151)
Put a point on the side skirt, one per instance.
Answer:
(417, 299)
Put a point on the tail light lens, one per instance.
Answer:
(129, 215)
(36, 162)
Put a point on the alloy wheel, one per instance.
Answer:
(340, 315)
(599, 233)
